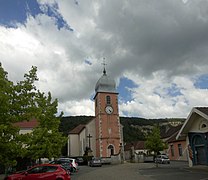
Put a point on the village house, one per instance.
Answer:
(26, 126)
(195, 130)
(177, 149)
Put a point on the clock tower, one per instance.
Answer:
(107, 122)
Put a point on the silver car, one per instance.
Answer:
(162, 159)
(96, 161)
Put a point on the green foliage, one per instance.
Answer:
(9, 148)
(70, 122)
(133, 127)
(20, 102)
(24, 99)
(154, 142)
(46, 141)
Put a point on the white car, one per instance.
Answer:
(73, 161)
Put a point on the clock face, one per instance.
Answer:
(109, 109)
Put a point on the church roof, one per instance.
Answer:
(78, 129)
(105, 84)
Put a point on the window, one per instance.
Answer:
(108, 100)
(172, 150)
(180, 152)
(35, 170)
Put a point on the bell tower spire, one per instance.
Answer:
(104, 64)
(107, 122)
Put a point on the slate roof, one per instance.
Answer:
(77, 130)
(203, 109)
(27, 124)
(173, 138)
(170, 132)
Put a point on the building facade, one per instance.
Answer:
(107, 122)
(195, 130)
(103, 134)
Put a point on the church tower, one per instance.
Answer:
(108, 130)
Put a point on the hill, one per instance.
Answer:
(134, 128)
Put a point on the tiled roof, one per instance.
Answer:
(78, 129)
(27, 124)
(203, 109)
(138, 145)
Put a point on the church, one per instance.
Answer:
(103, 135)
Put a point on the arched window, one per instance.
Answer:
(111, 149)
(108, 100)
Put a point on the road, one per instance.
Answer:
(142, 171)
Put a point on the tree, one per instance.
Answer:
(10, 145)
(154, 142)
(45, 140)
(23, 102)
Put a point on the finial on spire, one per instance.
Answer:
(104, 64)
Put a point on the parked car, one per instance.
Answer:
(66, 164)
(73, 161)
(80, 160)
(95, 161)
(42, 171)
(162, 159)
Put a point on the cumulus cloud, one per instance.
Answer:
(160, 45)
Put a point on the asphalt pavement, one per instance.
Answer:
(142, 171)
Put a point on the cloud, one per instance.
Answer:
(160, 46)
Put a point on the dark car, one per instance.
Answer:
(72, 161)
(95, 161)
(42, 171)
(80, 161)
(66, 164)
(162, 159)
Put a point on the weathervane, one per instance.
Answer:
(104, 64)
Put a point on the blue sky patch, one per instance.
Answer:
(16, 11)
(173, 90)
(124, 87)
(52, 11)
(87, 61)
(202, 82)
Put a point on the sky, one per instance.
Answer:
(156, 50)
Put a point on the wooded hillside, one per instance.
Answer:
(134, 128)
